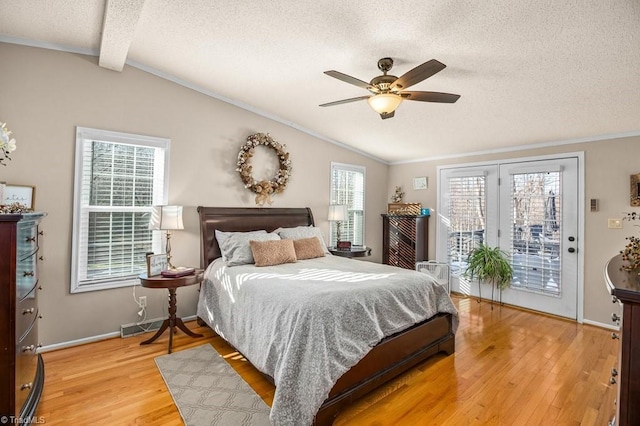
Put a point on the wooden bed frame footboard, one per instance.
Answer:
(390, 358)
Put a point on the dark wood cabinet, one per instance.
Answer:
(625, 290)
(21, 367)
(405, 240)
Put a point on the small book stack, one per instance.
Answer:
(178, 272)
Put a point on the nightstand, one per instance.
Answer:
(353, 252)
(171, 284)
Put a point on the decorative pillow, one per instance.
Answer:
(236, 249)
(300, 232)
(221, 236)
(269, 253)
(308, 248)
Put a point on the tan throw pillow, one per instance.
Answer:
(269, 253)
(299, 232)
(308, 248)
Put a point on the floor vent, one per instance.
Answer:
(128, 330)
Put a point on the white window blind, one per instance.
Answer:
(536, 231)
(467, 218)
(118, 178)
(347, 188)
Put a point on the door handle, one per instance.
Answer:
(572, 239)
(571, 250)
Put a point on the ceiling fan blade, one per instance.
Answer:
(345, 101)
(384, 116)
(419, 73)
(444, 98)
(348, 79)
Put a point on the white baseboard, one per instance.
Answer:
(91, 339)
(602, 325)
(77, 342)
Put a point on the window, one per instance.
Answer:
(467, 212)
(347, 188)
(467, 217)
(118, 177)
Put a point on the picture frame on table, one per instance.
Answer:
(156, 263)
(23, 194)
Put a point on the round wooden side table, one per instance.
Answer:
(359, 251)
(171, 284)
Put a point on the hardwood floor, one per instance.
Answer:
(511, 367)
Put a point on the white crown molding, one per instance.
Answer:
(572, 141)
(50, 46)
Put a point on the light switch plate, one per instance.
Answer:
(615, 223)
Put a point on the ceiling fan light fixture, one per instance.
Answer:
(384, 103)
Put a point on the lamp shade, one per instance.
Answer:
(385, 103)
(337, 212)
(166, 217)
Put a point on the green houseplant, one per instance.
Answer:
(489, 265)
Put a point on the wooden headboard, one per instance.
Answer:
(244, 219)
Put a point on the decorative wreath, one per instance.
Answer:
(264, 188)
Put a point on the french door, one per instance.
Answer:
(530, 210)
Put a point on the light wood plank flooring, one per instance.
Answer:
(511, 367)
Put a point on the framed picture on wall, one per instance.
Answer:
(23, 194)
(420, 183)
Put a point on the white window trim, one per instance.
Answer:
(358, 169)
(83, 134)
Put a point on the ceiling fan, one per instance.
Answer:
(387, 90)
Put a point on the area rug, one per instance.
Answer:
(208, 391)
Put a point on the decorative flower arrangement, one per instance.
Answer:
(7, 145)
(397, 197)
(14, 208)
(264, 188)
(631, 252)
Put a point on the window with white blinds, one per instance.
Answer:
(536, 231)
(347, 188)
(467, 219)
(118, 178)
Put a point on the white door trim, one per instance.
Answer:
(581, 209)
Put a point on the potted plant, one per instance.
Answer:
(490, 265)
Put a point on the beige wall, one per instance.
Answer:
(45, 94)
(608, 164)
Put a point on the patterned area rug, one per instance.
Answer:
(208, 391)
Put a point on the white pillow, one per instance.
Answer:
(300, 232)
(235, 247)
(221, 235)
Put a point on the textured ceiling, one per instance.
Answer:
(528, 72)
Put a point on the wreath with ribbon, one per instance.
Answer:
(263, 188)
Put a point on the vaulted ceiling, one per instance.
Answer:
(528, 72)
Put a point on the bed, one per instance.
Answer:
(387, 358)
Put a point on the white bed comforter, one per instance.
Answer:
(306, 323)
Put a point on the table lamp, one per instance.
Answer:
(337, 213)
(166, 218)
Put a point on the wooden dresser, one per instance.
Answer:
(405, 240)
(21, 367)
(625, 289)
